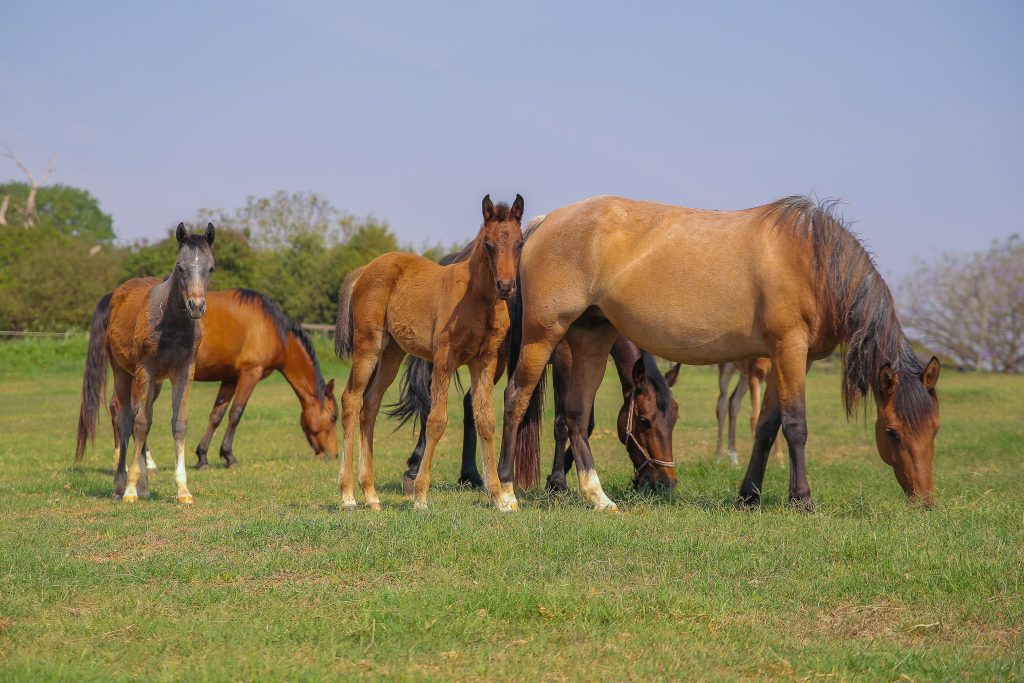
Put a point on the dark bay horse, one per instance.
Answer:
(149, 330)
(246, 337)
(645, 422)
(452, 315)
(786, 280)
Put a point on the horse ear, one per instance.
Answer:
(639, 373)
(930, 376)
(330, 387)
(517, 209)
(488, 207)
(672, 375)
(211, 232)
(181, 234)
(888, 379)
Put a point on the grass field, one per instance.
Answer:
(265, 578)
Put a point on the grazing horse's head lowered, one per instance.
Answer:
(502, 239)
(320, 423)
(905, 427)
(646, 421)
(193, 268)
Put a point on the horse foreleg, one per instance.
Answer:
(481, 373)
(469, 474)
(590, 349)
(181, 387)
(247, 382)
(735, 402)
(791, 373)
(767, 430)
(436, 424)
(383, 377)
(220, 407)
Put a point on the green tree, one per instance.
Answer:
(70, 210)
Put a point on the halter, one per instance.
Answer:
(648, 460)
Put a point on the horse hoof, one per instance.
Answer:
(419, 505)
(349, 506)
(185, 499)
(802, 504)
(129, 498)
(748, 501)
(554, 487)
(375, 505)
(151, 466)
(202, 465)
(607, 506)
(230, 462)
(408, 485)
(144, 495)
(472, 480)
(508, 505)
(734, 459)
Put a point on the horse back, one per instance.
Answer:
(237, 335)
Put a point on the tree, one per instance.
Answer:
(70, 210)
(29, 208)
(971, 307)
(275, 222)
(232, 254)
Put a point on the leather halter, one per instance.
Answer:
(648, 460)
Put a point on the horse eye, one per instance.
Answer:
(892, 433)
(488, 245)
(519, 247)
(643, 422)
(212, 268)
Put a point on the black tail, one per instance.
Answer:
(414, 395)
(343, 325)
(94, 382)
(527, 444)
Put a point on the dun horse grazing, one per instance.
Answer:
(753, 374)
(246, 337)
(646, 419)
(786, 280)
(452, 315)
(150, 331)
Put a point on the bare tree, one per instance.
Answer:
(971, 307)
(33, 185)
(3, 209)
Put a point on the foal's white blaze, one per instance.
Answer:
(590, 485)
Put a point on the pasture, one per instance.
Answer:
(266, 578)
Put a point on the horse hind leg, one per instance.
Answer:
(436, 424)
(561, 366)
(137, 481)
(123, 428)
(468, 473)
(366, 349)
(725, 372)
(735, 402)
(383, 377)
(220, 407)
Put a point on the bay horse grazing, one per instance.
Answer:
(645, 423)
(452, 315)
(149, 330)
(787, 281)
(246, 337)
(753, 375)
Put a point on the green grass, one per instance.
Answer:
(265, 578)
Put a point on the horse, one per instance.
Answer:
(645, 423)
(786, 280)
(246, 337)
(753, 374)
(452, 315)
(149, 331)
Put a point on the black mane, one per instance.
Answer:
(285, 326)
(662, 392)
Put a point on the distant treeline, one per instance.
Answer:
(295, 247)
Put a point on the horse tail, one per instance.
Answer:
(527, 439)
(343, 325)
(414, 392)
(94, 381)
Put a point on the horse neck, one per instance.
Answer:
(299, 371)
(481, 281)
(625, 354)
(172, 305)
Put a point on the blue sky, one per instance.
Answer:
(911, 112)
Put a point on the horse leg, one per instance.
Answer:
(590, 349)
(220, 407)
(142, 390)
(181, 387)
(755, 381)
(409, 476)
(481, 372)
(735, 401)
(561, 366)
(247, 381)
(469, 473)
(115, 410)
(365, 356)
(383, 377)
(791, 373)
(437, 421)
(725, 371)
(764, 437)
(123, 430)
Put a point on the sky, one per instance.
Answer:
(912, 113)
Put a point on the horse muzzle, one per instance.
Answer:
(506, 290)
(196, 307)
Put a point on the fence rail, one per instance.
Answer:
(17, 334)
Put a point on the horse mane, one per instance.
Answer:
(858, 305)
(662, 392)
(284, 326)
